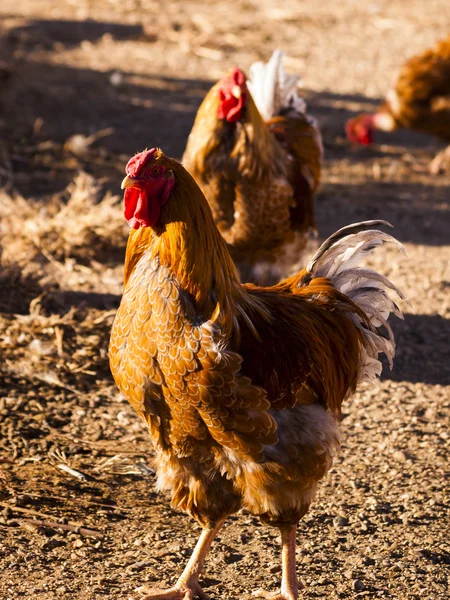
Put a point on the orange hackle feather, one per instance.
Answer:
(201, 262)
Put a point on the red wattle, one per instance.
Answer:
(230, 108)
(138, 211)
(130, 199)
(360, 130)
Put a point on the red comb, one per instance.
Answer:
(238, 76)
(136, 163)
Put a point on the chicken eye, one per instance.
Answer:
(155, 171)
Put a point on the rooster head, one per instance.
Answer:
(360, 129)
(147, 186)
(232, 96)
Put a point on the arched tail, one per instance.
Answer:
(337, 259)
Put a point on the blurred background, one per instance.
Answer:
(136, 71)
(84, 84)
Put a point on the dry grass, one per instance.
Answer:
(77, 224)
(17, 289)
(59, 259)
(65, 351)
(72, 241)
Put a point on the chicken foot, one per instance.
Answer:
(441, 162)
(289, 582)
(187, 586)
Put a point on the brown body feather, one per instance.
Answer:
(420, 98)
(240, 386)
(259, 179)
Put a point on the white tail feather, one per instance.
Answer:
(337, 260)
(273, 89)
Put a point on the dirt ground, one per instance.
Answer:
(80, 517)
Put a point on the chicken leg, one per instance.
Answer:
(187, 586)
(289, 582)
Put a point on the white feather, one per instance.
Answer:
(372, 278)
(272, 89)
(350, 250)
(367, 288)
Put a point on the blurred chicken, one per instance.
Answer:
(241, 386)
(418, 100)
(257, 156)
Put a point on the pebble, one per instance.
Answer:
(274, 567)
(358, 585)
(339, 522)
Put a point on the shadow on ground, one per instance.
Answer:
(423, 351)
(143, 111)
(420, 213)
(51, 34)
(46, 103)
(333, 111)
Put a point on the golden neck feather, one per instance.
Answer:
(255, 150)
(248, 143)
(188, 242)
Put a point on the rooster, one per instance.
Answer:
(257, 156)
(240, 386)
(418, 100)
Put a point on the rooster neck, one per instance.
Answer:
(256, 151)
(187, 242)
(245, 148)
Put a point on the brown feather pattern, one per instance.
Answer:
(422, 92)
(259, 179)
(240, 385)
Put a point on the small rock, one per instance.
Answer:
(340, 522)
(139, 566)
(21, 500)
(116, 78)
(52, 544)
(400, 456)
(7, 512)
(358, 585)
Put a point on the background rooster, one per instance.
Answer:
(419, 100)
(240, 386)
(257, 156)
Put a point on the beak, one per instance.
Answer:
(127, 182)
(236, 91)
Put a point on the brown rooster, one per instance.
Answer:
(419, 100)
(257, 157)
(241, 386)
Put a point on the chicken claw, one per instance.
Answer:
(283, 595)
(187, 587)
(289, 582)
(274, 595)
(178, 592)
